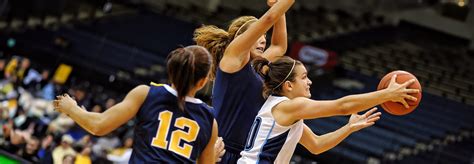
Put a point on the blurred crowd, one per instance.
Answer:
(34, 131)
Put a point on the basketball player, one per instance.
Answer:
(172, 126)
(279, 125)
(237, 88)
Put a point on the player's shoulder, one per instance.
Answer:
(202, 108)
(153, 84)
(158, 87)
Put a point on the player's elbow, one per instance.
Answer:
(98, 129)
(318, 150)
(270, 18)
(284, 48)
(315, 150)
(99, 133)
(280, 49)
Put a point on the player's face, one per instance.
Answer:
(301, 84)
(259, 47)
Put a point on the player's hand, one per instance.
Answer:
(400, 93)
(357, 122)
(63, 103)
(271, 2)
(219, 149)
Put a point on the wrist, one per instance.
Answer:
(349, 128)
(69, 109)
(386, 94)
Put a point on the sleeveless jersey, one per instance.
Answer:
(166, 134)
(269, 142)
(236, 99)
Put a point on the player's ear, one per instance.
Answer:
(201, 83)
(287, 86)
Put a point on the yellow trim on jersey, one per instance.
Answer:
(156, 84)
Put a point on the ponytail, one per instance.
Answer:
(262, 67)
(186, 66)
(215, 40)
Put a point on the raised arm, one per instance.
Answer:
(279, 42)
(288, 112)
(237, 53)
(100, 124)
(319, 144)
(208, 155)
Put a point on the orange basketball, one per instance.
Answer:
(398, 108)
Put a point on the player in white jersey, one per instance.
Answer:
(279, 125)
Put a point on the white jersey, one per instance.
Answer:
(269, 142)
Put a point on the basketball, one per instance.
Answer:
(396, 108)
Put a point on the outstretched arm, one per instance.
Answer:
(279, 43)
(319, 144)
(237, 53)
(288, 112)
(103, 123)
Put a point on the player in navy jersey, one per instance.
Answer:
(172, 126)
(279, 125)
(237, 89)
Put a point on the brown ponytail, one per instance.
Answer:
(216, 40)
(186, 66)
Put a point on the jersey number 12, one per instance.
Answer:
(160, 141)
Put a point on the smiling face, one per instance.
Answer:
(284, 77)
(299, 86)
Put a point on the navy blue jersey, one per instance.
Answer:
(166, 134)
(237, 98)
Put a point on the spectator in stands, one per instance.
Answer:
(31, 79)
(84, 157)
(10, 69)
(45, 153)
(18, 136)
(122, 154)
(8, 88)
(47, 85)
(109, 103)
(7, 135)
(23, 69)
(85, 141)
(2, 68)
(61, 124)
(81, 95)
(30, 150)
(105, 144)
(68, 159)
(97, 109)
(63, 149)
